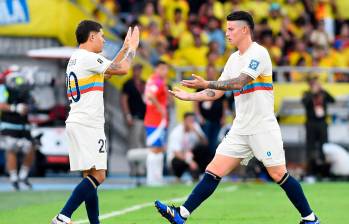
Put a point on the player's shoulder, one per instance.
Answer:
(233, 57)
(258, 48)
(82, 54)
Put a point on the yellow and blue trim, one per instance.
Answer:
(260, 83)
(84, 85)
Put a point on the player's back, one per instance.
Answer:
(85, 85)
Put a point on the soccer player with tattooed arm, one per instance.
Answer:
(85, 74)
(255, 130)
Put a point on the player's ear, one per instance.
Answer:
(244, 29)
(91, 37)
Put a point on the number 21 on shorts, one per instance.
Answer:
(102, 145)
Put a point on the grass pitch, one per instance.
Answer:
(231, 204)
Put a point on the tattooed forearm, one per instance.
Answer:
(120, 67)
(231, 84)
(209, 93)
(115, 66)
(130, 55)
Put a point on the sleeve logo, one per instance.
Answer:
(253, 65)
(100, 61)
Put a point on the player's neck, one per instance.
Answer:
(244, 45)
(87, 47)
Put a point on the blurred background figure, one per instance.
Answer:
(16, 138)
(315, 102)
(156, 122)
(338, 159)
(187, 148)
(133, 108)
(211, 114)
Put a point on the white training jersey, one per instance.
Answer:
(85, 85)
(254, 103)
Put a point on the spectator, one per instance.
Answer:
(300, 52)
(293, 9)
(15, 129)
(275, 18)
(319, 37)
(216, 34)
(187, 148)
(342, 40)
(187, 38)
(315, 102)
(133, 108)
(167, 8)
(233, 5)
(211, 114)
(325, 11)
(149, 16)
(194, 56)
(152, 35)
(167, 33)
(259, 8)
(178, 25)
(210, 8)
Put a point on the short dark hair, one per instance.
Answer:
(160, 63)
(188, 114)
(84, 28)
(242, 15)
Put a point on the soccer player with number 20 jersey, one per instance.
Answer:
(85, 76)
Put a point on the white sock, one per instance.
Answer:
(13, 175)
(155, 163)
(184, 212)
(310, 217)
(23, 173)
(64, 218)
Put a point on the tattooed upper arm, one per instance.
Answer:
(113, 67)
(231, 84)
(244, 79)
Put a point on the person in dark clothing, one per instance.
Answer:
(211, 114)
(15, 129)
(133, 108)
(315, 102)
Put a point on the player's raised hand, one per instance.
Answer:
(127, 39)
(180, 94)
(134, 39)
(196, 83)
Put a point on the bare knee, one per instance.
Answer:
(277, 173)
(222, 165)
(217, 169)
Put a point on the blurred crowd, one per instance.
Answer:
(192, 32)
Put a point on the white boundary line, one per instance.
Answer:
(145, 205)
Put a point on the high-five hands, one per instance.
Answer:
(134, 39)
(131, 41)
